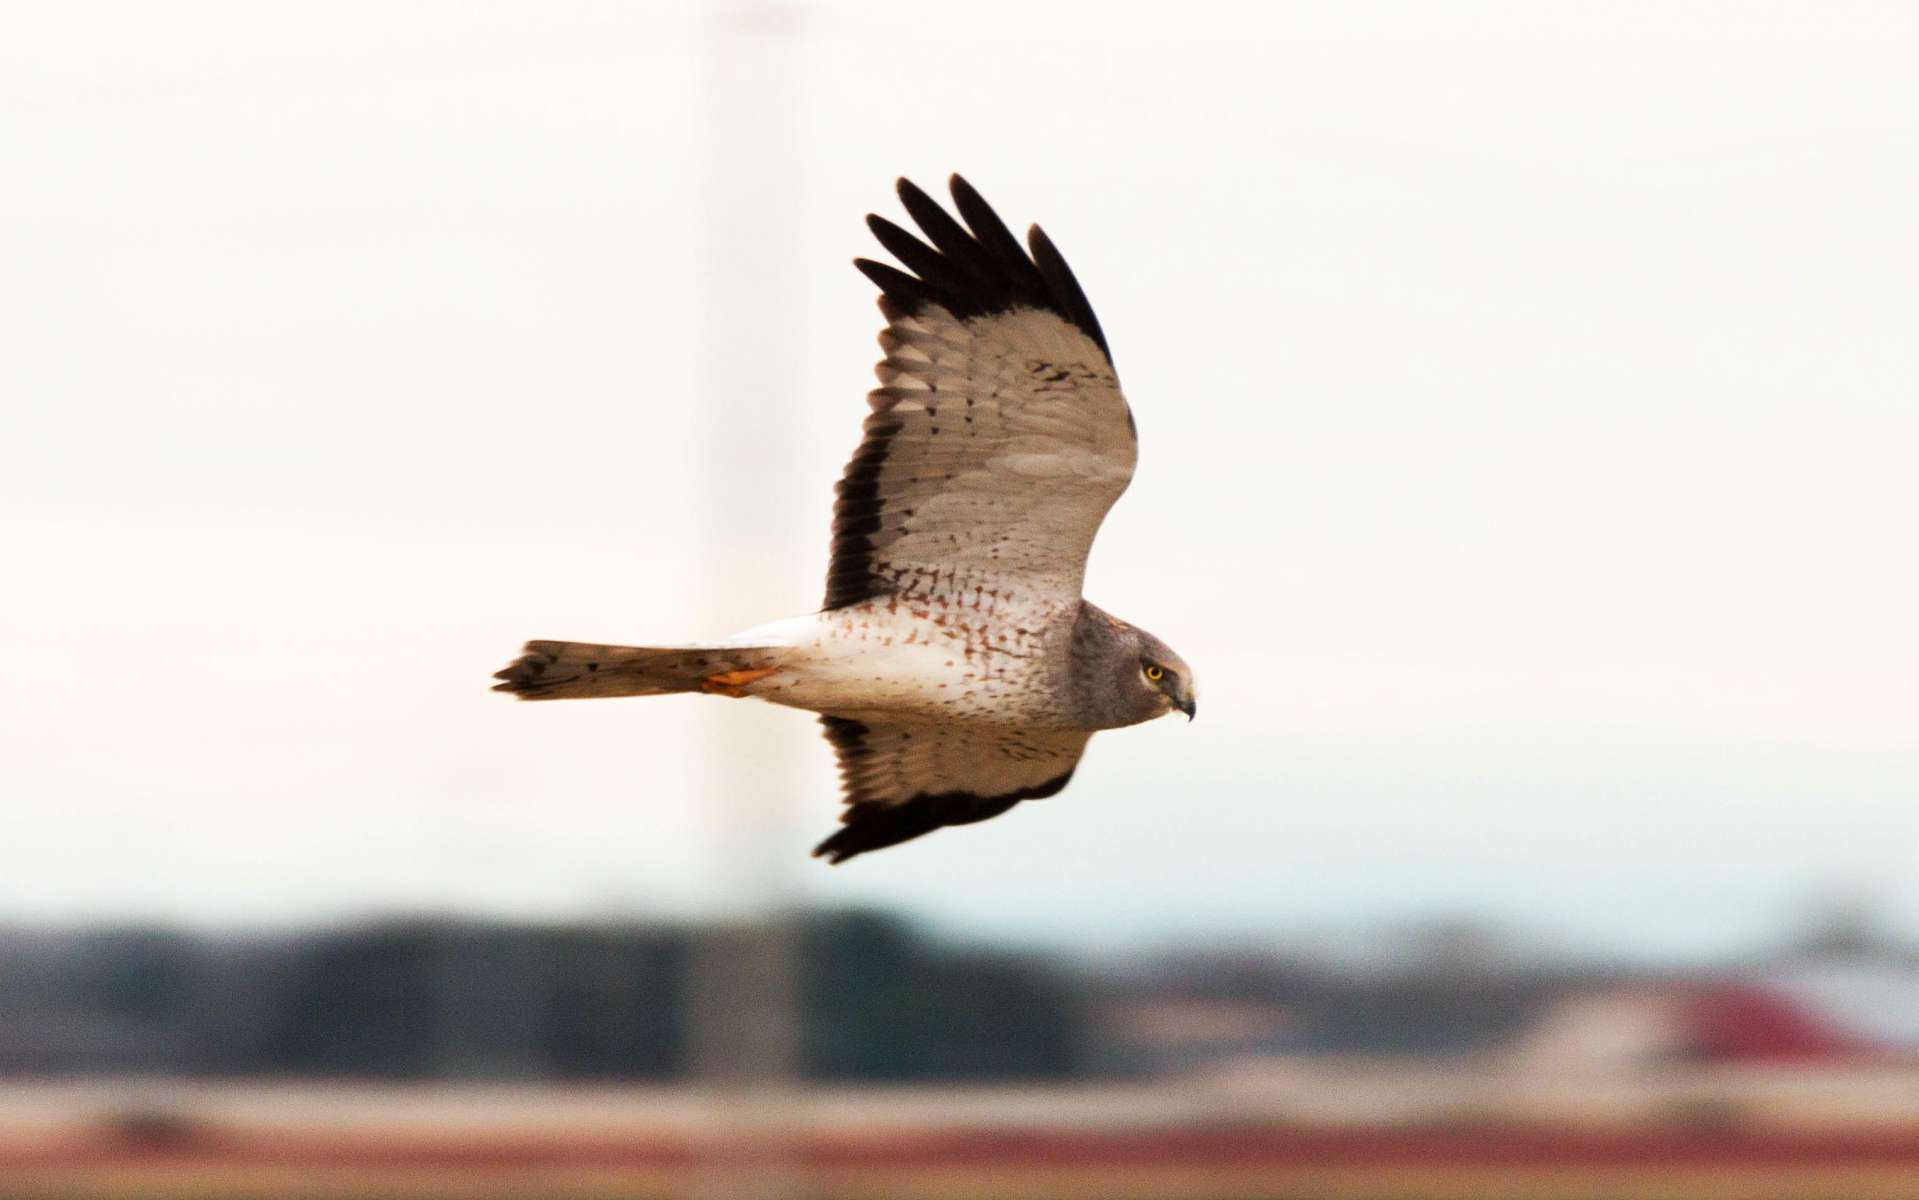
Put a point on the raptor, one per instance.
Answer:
(955, 666)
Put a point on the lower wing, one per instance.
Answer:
(907, 779)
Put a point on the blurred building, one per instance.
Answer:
(450, 1000)
(1439, 990)
(467, 1000)
(1846, 993)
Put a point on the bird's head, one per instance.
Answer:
(1121, 675)
(1166, 677)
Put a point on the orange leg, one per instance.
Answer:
(733, 683)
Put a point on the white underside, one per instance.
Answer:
(866, 661)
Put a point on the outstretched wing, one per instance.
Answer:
(903, 780)
(999, 437)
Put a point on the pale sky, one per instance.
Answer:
(1529, 398)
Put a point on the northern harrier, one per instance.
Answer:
(955, 666)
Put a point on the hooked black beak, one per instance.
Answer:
(1189, 707)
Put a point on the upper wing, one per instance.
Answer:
(903, 779)
(999, 437)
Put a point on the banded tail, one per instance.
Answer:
(581, 670)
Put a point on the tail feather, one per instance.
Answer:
(582, 670)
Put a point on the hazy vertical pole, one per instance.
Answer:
(752, 306)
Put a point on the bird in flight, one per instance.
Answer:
(954, 664)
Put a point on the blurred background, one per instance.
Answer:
(1528, 395)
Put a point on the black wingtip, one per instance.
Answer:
(974, 270)
(834, 849)
(1064, 286)
(833, 856)
(866, 827)
(907, 291)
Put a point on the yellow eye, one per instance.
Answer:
(1155, 674)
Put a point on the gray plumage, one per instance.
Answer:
(1103, 673)
(956, 668)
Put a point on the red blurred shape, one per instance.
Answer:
(1737, 1022)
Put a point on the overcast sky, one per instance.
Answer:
(1529, 398)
